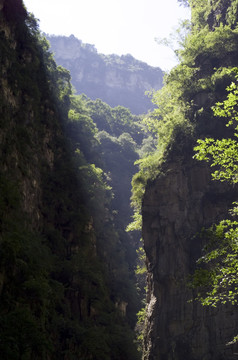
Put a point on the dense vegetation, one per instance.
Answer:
(67, 283)
(183, 111)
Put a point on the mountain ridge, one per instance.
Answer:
(116, 80)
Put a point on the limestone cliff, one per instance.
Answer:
(117, 80)
(181, 201)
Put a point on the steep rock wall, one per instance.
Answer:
(58, 292)
(117, 80)
(181, 201)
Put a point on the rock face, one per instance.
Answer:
(53, 257)
(117, 80)
(181, 201)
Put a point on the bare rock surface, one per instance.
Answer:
(177, 205)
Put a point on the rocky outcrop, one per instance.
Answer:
(117, 80)
(181, 201)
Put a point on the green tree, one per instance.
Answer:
(223, 153)
(216, 278)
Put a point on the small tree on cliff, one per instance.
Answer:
(217, 281)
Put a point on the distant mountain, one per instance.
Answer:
(117, 80)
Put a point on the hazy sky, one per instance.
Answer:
(114, 26)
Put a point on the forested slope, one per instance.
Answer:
(180, 201)
(67, 289)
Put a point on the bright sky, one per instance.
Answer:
(114, 26)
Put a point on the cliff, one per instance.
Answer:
(61, 259)
(176, 206)
(117, 80)
(181, 199)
